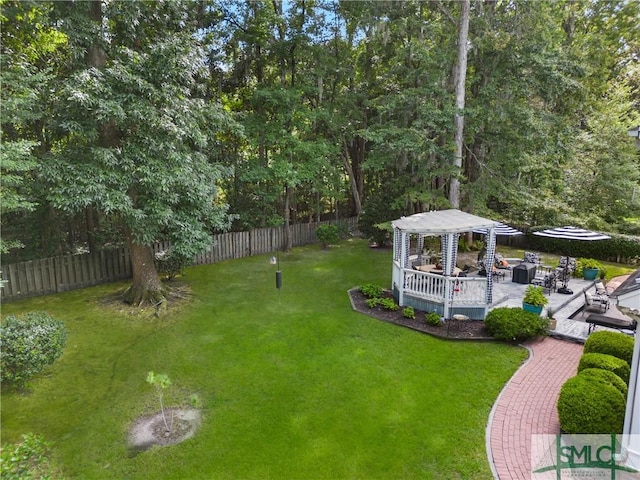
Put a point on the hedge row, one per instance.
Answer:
(625, 247)
(605, 362)
(594, 401)
(612, 343)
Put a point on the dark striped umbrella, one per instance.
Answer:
(572, 233)
(500, 229)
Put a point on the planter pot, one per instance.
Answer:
(553, 323)
(590, 273)
(532, 308)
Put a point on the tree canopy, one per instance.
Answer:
(170, 120)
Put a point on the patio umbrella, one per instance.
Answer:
(571, 233)
(500, 229)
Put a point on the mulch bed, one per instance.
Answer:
(452, 329)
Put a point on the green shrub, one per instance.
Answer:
(409, 312)
(388, 304)
(371, 290)
(170, 263)
(613, 343)
(515, 324)
(432, 318)
(606, 376)
(605, 362)
(373, 302)
(26, 460)
(589, 406)
(28, 345)
(327, 234)
(534, 295)
(583, 263)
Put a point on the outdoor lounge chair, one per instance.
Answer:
(599, 302)
(501, 263)
(600, 288)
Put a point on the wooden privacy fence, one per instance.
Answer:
(71, 272)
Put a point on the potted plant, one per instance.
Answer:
(553, 323)
(534, 299)
(589, 267)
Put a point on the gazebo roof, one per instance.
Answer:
(442, 222)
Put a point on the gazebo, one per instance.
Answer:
(437, 287)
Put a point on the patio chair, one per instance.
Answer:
(496, 274)
(501, 263)
(548, 282)
(564, 271)
(600, 288)
(599, 302)
(531, 257)
(465, 271)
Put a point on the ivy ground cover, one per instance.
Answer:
(291, 383)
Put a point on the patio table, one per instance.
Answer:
(430, 268)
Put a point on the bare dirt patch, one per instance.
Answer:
(150, 430)
(177, 293)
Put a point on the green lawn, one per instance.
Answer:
(292, 386)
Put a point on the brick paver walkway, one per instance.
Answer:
(527, 406)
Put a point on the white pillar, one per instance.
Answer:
(449, 243)
(631, 436)
(490, 244)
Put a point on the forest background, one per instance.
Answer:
(135, 122)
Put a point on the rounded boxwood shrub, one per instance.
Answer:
(586, 405)
(515, 324)
(613, 343)
(28, 345)
(606, 376)
(605, 362)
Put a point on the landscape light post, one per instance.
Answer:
(276, 261)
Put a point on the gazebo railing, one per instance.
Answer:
(433, 287)
(426, 285)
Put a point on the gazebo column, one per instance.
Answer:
(401, 243)
(490, 243)
(397, 244)
(420, 246)
(449, 243)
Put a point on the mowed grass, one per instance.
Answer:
(292, 385)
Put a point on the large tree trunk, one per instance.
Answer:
(287, 219)
(461, 75)
(146, 286)
(355, 193)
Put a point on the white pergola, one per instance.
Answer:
(440, 291)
